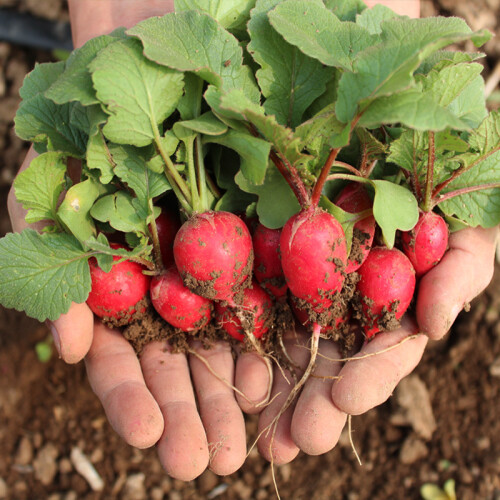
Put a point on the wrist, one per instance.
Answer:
(409, 8)
(91, 18)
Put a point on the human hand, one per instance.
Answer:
(153, 400)
(338, 389)
(314, 423)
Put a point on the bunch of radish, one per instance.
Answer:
(218, 189)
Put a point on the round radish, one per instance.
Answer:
(176, 304)
(251, 316)
(354, 199)
(385, 289)
(313, 257)
(426, 243)
(267, 263)
(116, 295)
(213, 253)
(167, 225)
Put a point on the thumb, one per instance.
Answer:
(73, 332)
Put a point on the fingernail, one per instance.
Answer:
(55, 336)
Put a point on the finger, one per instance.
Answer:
(317, 422)
(252, 379)
(73, 332)
(183, 447)
(369, 381)
(115, 376)
(407, 8)
(220, 413)
(464, 272)
(276, 443)
(90, 18)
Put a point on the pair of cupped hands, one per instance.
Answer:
(190, 412)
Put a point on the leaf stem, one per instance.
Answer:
(462, 191)
(430, 173)
(153, 230)
(323, 176)
(298, 188)
(289, 172)
(173, 173)
(351, 169)
(201, 173)
(192, 174)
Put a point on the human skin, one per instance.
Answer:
(196, 419)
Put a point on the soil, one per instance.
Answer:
(442, 422)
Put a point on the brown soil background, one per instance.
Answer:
(48, 409)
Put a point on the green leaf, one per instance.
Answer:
(193, 41)
(231, 14)
(276, 203)
(459, 88)
(482, 207)
(487, 136)
(75, 83)
(138, 94)
(394, 207)
(411, 108)
(432, 492)
(289, 79)
(39, 186)
(99, 157)
(443, 58)
(104, 253)
(41, 274)
(131, 168)
(207, 124)
(346, 10)
(388, 67)
(286, 144)
(119, 210)
(319, 33)
(449, 488)
(40, 120)
(74, 210)
(320, 133)
(253, 152)
(372, 19)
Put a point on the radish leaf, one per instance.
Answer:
(42, 274)
(138, 94)
(319, 33)
(38, 187)
(289, 79)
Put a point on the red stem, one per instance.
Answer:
(459, 171)
(459, 192)
(320, 183)
(430, 173)
(297, 186)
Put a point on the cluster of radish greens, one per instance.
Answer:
(331, 136)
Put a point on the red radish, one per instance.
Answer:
(116, 295)
(213, 253)
(354, 199)
(313, 257)
(426, 243)
(167, 225)
(267, 263)
(251, 316)
(176, 304)
(385, 288)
